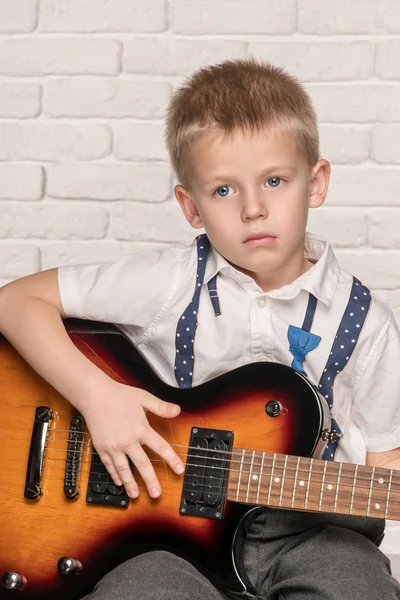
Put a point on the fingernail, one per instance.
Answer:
(154, 492)
(134, 493)
(179, 469)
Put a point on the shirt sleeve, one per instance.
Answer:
(377, 399)
(131, 290)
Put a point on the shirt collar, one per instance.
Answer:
(321, 280)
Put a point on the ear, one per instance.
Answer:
(188, 206)
(320, 175)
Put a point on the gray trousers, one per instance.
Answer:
(284, 555)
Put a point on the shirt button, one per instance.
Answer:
(262, 301)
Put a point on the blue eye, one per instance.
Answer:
(274, 181)
(224, 189)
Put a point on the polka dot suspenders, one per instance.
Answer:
(301, 341)
(187, 324)
(341, 351)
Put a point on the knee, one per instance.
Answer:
(156, 560)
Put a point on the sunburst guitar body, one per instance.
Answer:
(249, 438)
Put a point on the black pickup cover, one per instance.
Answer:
(102, 489)
(206, 473)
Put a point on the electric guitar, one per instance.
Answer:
(249, 438)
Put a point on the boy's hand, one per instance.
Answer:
(117, 422)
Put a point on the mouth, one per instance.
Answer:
(260, 239)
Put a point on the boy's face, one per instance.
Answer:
(254, 185)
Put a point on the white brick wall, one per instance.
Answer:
(83, 89)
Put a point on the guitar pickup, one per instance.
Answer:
(101, 488)
(206, 473)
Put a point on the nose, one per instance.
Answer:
(254, 207)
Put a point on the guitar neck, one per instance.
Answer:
(299, 483)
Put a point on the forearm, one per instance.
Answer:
(35, 328)
(393, 464)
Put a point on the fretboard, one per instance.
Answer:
(280, 480)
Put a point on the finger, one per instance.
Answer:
(143, 464)
(155, 442)
(160, 407)
(108, 463)
(121, 473)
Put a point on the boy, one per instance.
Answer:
(243, 141)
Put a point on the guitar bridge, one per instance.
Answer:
(206, 473)
(74, 458)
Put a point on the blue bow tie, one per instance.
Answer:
(301, 342)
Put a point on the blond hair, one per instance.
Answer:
(239, 94)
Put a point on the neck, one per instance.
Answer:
(309, 484)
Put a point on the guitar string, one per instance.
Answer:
(215, 450)
(359, 477)
(220, 479)
(393, 503)
(217, 480)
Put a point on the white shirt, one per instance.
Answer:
(145, 293)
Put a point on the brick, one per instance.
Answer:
(106, 98)
(20, 100)
(315, 61)
(377, 269)
(383, 228)
(385, 66)
(46, 57)
(140, 141)
(174, 56)
(55, 254)
(94, 16)
(18, 16)
(356, 103)
(328, 17)
(21, 182)
(232, 16)
(18, 259)
(30, 141)
(364, 186)
(143, 182)
(52, 221)
(344, 145)
(385, 143)
(343, 228)
(142, 222)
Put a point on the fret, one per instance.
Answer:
(301, 487)
(370, 490)
(352, 492)
(270, 479)
(388, 494)
(380, 489)
(322, 486)
(308, 484)
(249, 479)
(283, 480)
(330, 483)
(337, 488)
(259, 477)
(239, 477)
(394, 502)
(295, 480)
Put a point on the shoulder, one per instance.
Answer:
(139, 279)
(379, 314)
